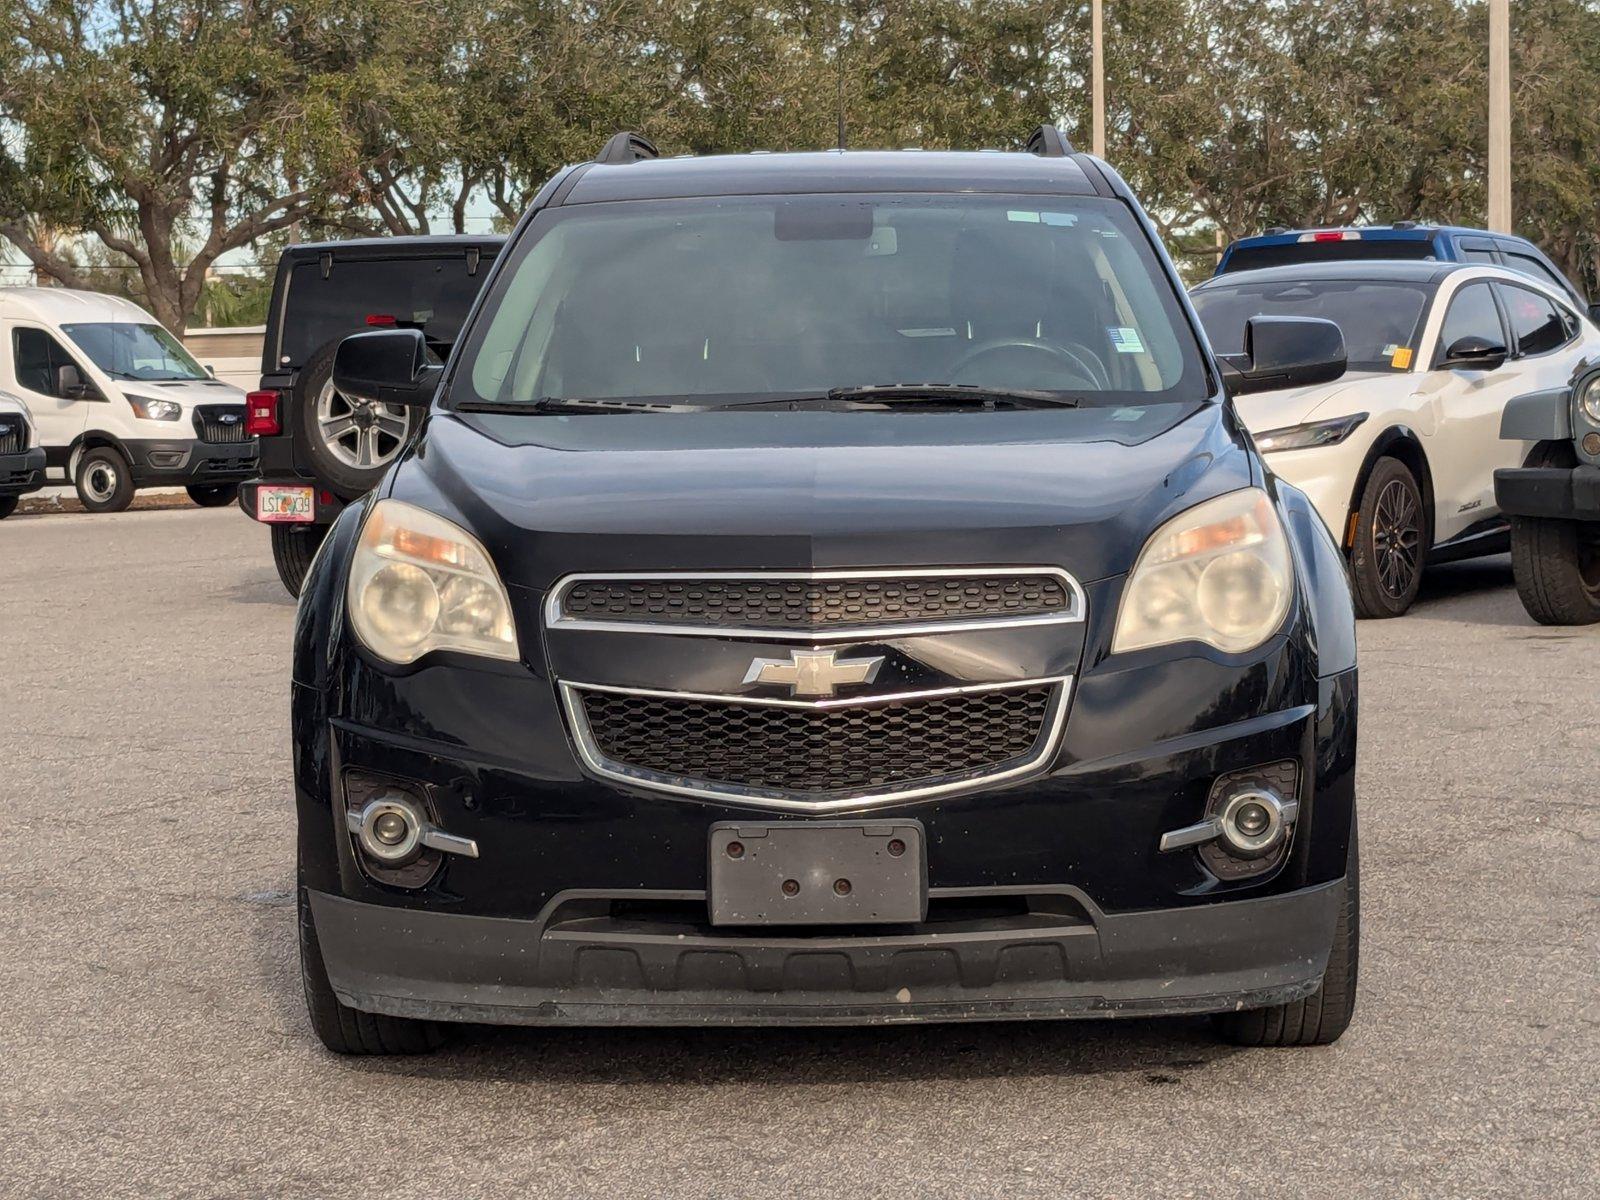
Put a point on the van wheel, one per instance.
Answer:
(350, 443)
(8, 505)
(346, 1030)
(104, 480)
(293, 548)
(1556, 563)
(213, 495)
(1391, 532)
(1321, 1017)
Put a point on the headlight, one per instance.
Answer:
(1218, 574)
(1303, 437)
(152, 409)
(419, 583)
(1589, 398)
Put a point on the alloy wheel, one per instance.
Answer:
(360, 433)
(1397, 538)
(100, 481)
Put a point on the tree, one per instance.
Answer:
(207, 123)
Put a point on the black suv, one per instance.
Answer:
(828, 588)
(321, 449)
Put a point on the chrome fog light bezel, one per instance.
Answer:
(363, 823)
(1280, 814)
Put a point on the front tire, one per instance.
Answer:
(1321, 1017)
(293, 548)
(1556, 563)
(213, 495)
(8, 505)
(1390, 542)
(346, 1030)
(104, 480)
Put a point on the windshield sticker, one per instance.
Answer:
(1125, 339)
(1066, 219)
(1127, 414)
(1028, 218)
(1401, 358)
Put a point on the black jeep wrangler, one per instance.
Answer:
(1553, 501)
(321, 449)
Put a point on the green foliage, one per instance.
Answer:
(170, 134)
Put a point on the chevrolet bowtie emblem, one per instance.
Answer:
(813, 672)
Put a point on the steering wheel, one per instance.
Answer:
(1081, 361)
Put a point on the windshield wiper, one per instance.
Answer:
(894, 394)
(548, 404)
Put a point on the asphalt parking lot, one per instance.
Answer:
(154, 1042)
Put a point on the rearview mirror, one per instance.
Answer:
(71, 385)
(1474, 354)
(1284, 352)
(387, 366)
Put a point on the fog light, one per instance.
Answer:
(1253, 822)
(1591, 444)
(389, 828)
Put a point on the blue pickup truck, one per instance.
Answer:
(1404, 239)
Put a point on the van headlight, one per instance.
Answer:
(152, 409)
(1219, 574)
(420, 583)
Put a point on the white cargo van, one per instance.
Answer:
(117, 402)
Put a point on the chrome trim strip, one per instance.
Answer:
(599, 765)
(868, 701)
(554, 618)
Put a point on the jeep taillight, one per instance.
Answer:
(261, 414)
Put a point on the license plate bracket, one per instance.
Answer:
(817, 873)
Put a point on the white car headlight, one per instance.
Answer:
(420, 583)
(1219, 574)
(152, 409)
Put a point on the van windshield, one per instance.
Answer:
(732, 299)
(124, 350)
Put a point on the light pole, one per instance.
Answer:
(1500, 116)
(1097, 87)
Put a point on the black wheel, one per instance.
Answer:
(1556, 563)
(1325, 1014)
(346, 1030)
(293, 548)
(8, 505)
(349, 442)
(213, 495)
(1391, 541)
(104, 480)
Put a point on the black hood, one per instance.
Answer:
(1082, 489)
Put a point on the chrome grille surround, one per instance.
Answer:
(1053, 581)
(1044, 744)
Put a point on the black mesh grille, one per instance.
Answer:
(13, 434)
(818, 750)
(815, 603)
(220, 423)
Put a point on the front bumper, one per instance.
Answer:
(569, 967)
(1564, 493)
(190, 461)
(22, 473)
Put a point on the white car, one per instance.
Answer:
(117, 402)
(1399, 454)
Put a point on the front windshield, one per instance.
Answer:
(1381, 320)
(124, 350)
(728, 299)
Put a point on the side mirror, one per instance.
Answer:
(211, 372)
(1594, 313)
(71, 385)
(1284, 352)
(1474, 354)
(387, 366)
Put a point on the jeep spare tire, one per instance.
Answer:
(348, 442)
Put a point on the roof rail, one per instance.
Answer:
(1047, 142)
(627, 147)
